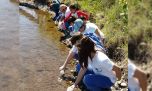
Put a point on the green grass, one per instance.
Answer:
(122, 23)
(140, 29)
(114, 16)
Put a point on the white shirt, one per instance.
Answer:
(131, 69)
(102, 65)
(67, 12)
(74, 49)
(133, 83)
(92, 28)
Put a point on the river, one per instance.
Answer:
(30, 51)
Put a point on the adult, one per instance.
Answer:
(97, 70)
(55, 7)
(137, 79)
(65, 11)
(85, 28)
(75, 12)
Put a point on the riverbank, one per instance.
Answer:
(28, 51)
(112, 19)
(121, 60)
(140, 36)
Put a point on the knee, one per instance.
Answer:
(87, 80)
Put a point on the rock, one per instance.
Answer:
(59, 79)
(62, 72)
(122, 85)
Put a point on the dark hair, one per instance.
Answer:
(75, 6)
(75, 37)
(83, 18)
(48, 3)
(87, 46)
(71, 19)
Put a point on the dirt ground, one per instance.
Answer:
(147, 68)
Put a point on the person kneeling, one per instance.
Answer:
(97, 70)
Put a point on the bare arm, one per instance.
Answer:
(142, 79)
(69, 57)
(118, 71)
(99, 35)
(80, 76)
(62, 18)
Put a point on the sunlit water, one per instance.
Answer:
(30, 51)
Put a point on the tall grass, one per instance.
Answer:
(114, 16)
(140, 29)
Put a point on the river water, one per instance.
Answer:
(30, 51)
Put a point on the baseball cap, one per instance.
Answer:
(77, 24)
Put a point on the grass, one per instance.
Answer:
(140, 26)
(114, 16)
(140, 35)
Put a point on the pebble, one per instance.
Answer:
(59, 79)
(123, 85)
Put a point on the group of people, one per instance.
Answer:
(95, 69)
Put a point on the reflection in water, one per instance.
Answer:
(30, 51)
(46, 28)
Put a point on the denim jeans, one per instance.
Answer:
(95, 82)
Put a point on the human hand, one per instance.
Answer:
(62, 72)
(62, 67)
(71, 88)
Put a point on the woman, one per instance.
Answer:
(75, 12)
(83, 28)
(101, 71)
(74, 51)
(137, 79)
